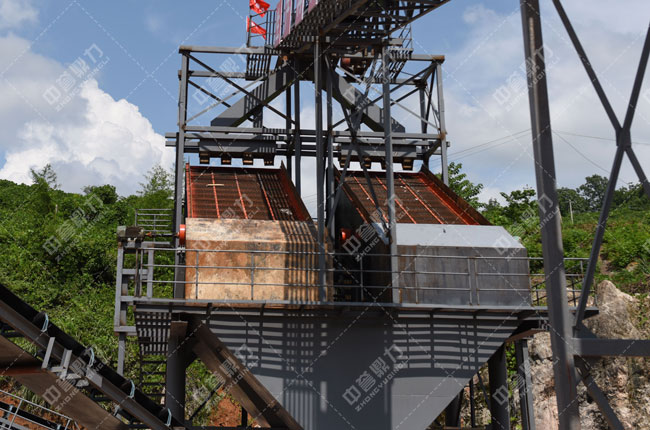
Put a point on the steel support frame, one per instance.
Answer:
(569, 352)
(623, 147)
(551, 233)
(294, 142)
(208, 71)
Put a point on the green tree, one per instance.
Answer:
(593, 191)
(462, 186)
(520, 204)
(157, 190)
(158, 181)
(631, 197)
(46, 177)
(570, 199)
(45, 181)
(106, 193)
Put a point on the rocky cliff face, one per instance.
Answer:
(626, 381)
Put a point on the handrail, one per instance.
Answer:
(473, 280)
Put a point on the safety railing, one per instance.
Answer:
(18, 413)
(233, 275)
(156, 223)
(574, 275)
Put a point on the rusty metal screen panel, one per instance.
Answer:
(240, 193)
(421, 198)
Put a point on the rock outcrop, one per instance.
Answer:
(626, 381)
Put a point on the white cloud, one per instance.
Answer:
(92, 139)
(154, 23)
(15, 13)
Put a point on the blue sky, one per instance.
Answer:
(111, 130)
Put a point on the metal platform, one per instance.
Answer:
(348, 25)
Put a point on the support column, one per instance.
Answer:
(524, 385)
(320, 168)
(390, 177)
(452, 411)
(288, 126)
(472, 404)
(551, 233)
(498, 374)
(424, 114)
(330, 154)
(179, 273)
(443, 127)
(175, 371)
(121, 353)
(296, 114)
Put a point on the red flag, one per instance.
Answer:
(254, 28)
(259, 6)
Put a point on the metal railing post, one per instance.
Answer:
(196, 275)
(252, 276)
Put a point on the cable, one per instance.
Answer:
(587, 158)
(492, 141)
(597, 137)
(454, 158)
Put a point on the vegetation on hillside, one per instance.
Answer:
(625, 253)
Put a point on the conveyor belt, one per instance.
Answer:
(421, 199)
(229, 192)
(65, 358)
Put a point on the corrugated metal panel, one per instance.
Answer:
(239, 193)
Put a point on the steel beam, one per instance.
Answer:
(499, 404)
(272, 86)
(298, 130)
(121, 352)
(452, 412)
(586, 63)
(175, 370)
(179, 273)
(599, 235)
(330, 152)
(288, 122)
(551, 233)
(390, 177)
(598, 396)
(240, 382)
(372, 116)
(443, 127)
(597, 347)
(525, 385)
(320, 171)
